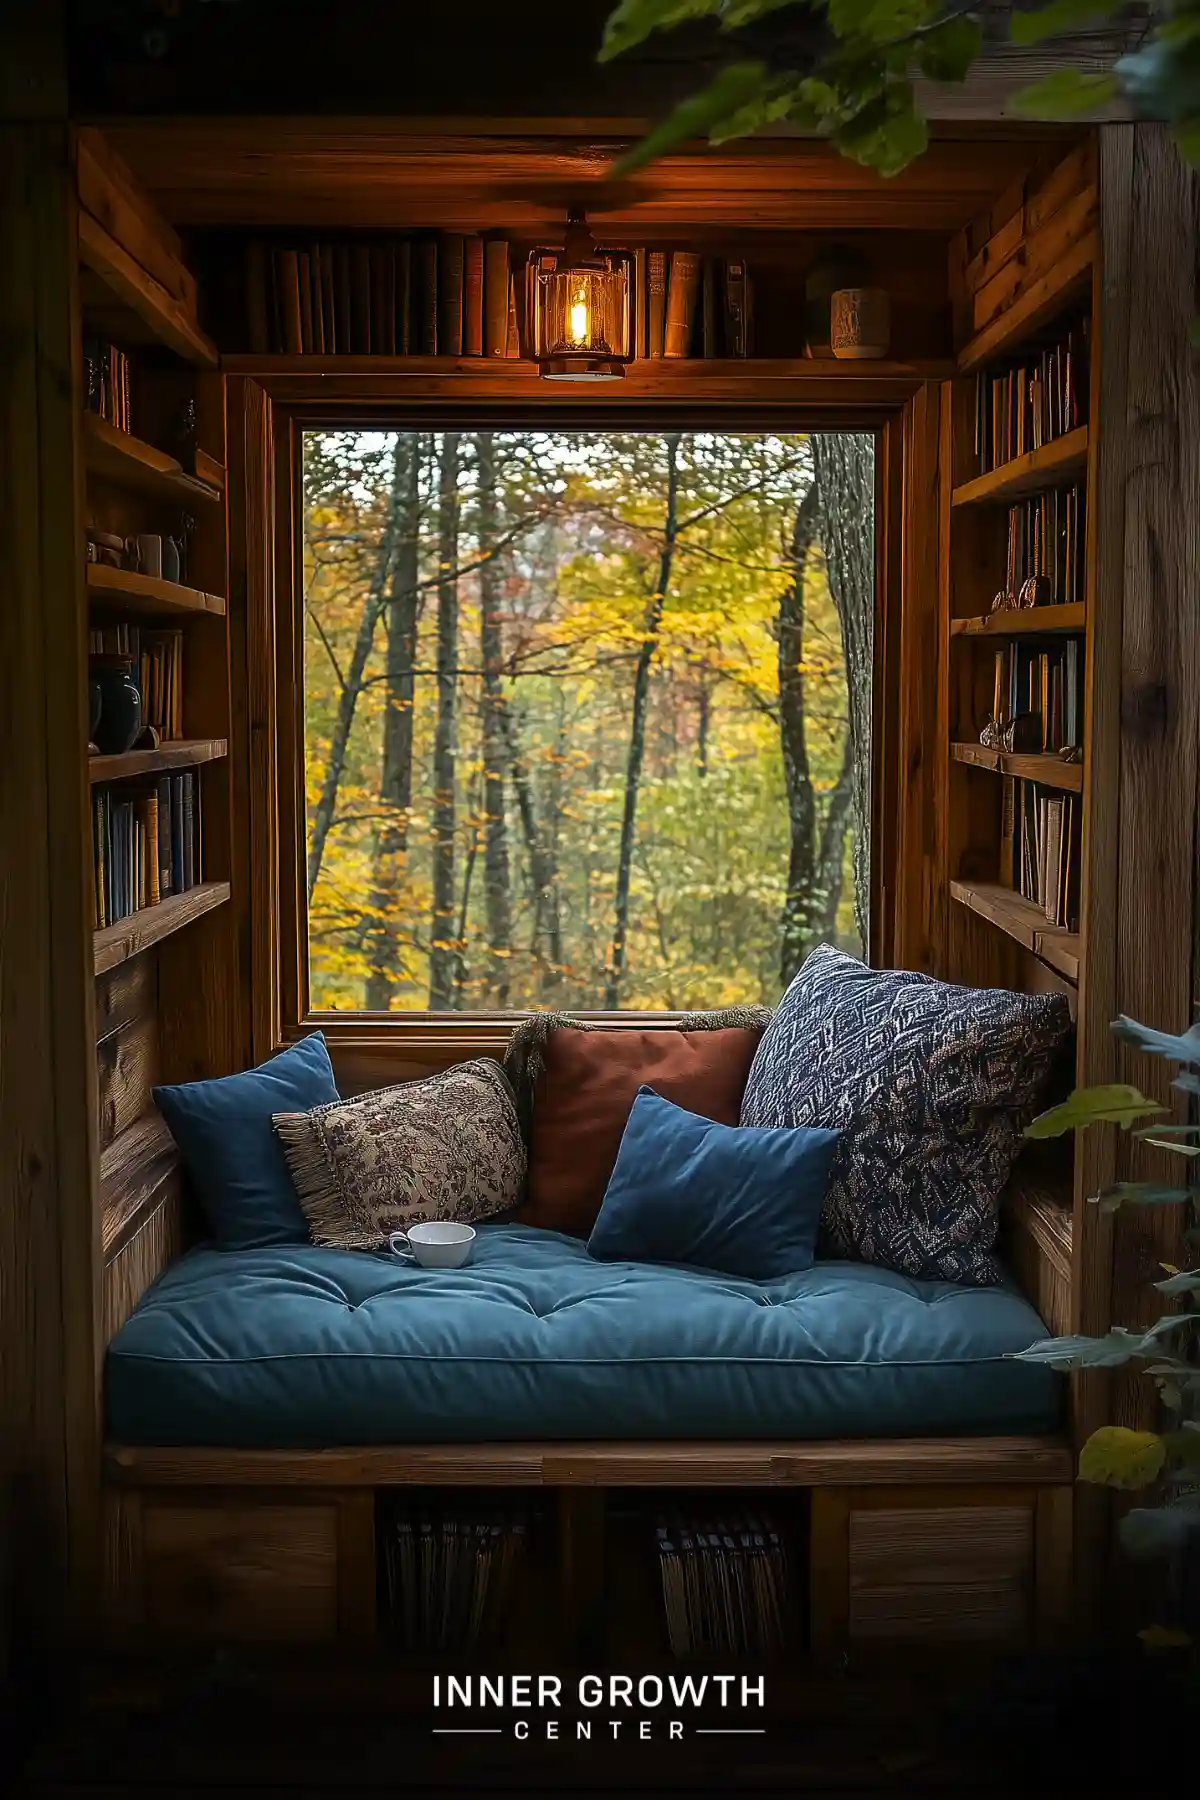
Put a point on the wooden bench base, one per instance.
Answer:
(939, 1541)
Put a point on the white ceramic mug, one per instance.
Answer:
(439, 1245)
(150, 553)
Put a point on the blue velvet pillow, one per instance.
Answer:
(742, 1200)
(232, 1154)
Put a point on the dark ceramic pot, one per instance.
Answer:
(120, 722)
(95, 702)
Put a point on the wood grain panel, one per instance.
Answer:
(138, 1170)
(947, 1545)
(125, 994)
(240, 1572)
(126, 1069)
(156, 1244)
(997, 1613)
(933, 1460)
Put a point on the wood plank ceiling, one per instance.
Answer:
(402, 174)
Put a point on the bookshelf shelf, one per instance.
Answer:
(133, 306)
(118, 456)
(148, 594)
(1050, 770)
(1026, 621)
(182, 753)
(1070, 279)
(1054, 462)
(1022, 920)
(648, 374)
(129, 937)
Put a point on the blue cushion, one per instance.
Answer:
(686, 1189)
(233, 1157)
(534, 1339)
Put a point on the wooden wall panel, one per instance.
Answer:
(127, 1068)
(143, 1259)
(226, 1572)
(49, 1395)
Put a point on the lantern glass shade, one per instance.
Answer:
(580, 315)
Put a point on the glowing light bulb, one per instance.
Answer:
(579, 321)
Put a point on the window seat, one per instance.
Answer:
(300, 1347)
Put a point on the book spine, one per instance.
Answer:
(360, 299)
(425, 298)
(380, 314)
(256, 299)
(328, 306)
(450, 294)
(736, 338)
(404, 298)
(709, 346)
(288, 278)
(345, 332)
(512, 341)
(681, 303)
(177, 834)
(473, 297)
(189, 829)
(318, 299)
(656, 279)
(165, 885)
(495, 297)
(304, 282)
(641, 300)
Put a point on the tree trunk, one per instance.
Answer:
(442, 946)
(651, 626)
(496, 874)
(396, 775)
(352, 686)
(844, 463)
(541, 864)
(796, 923)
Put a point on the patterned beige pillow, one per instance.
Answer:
(448, 1147)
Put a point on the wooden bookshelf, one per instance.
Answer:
(118, 456)
(1035, 306)
(1024, 621)
(1050, 465)
(126, 302)
(115, 944)
(1024, 922)
(180, 753)
(1051, 771)
(148, 594)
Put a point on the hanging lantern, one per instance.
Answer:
(580, 308)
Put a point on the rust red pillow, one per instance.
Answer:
(586, 1091)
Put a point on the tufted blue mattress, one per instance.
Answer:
(300, 1347)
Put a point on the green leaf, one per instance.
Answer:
(1161, 1137)
(1181, 1048)
(1187, 1281)
(734, 89)
(1142, 1193)
(1184, 1445)
(1153, 1531)
(887, 135)
(1067, 94)
(736, 13)
(633, 21)
(1107, 1352)
(880, 21)
(1116, 1457)
(1042, 22)
(1117, 1104)
(787, 103)
(947, 53)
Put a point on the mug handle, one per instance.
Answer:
(400, 1246)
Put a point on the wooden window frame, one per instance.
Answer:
(268, 414)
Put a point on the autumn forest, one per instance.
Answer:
(588, 715)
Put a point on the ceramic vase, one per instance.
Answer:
(120, 722)
(860, 323)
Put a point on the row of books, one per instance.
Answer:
(449, 1574)
(1045, 546)
(725, 1585)
(1042, 690)
(145, 845)
(688, 305)
(458, 295)
(444, 295)
(1033, 402)
(158, 669)
(1040, 848)
(106, 382)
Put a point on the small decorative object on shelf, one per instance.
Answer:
(1004, 602)
(1038, 590)
(120, 720)
(187, 531)
(107, 548)
(171, 559)
(580, 308)
(183, 436)
(859, 323)
(1019, 735)
(836, 268)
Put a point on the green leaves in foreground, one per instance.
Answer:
(1116, 1104)
(1067, 94)
(742, 91)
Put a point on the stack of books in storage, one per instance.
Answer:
(726, 1585)
(449, 1571)
(145, 845)
(1040, 848)
(1033, 402)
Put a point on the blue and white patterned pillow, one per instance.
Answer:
(930, 1086)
